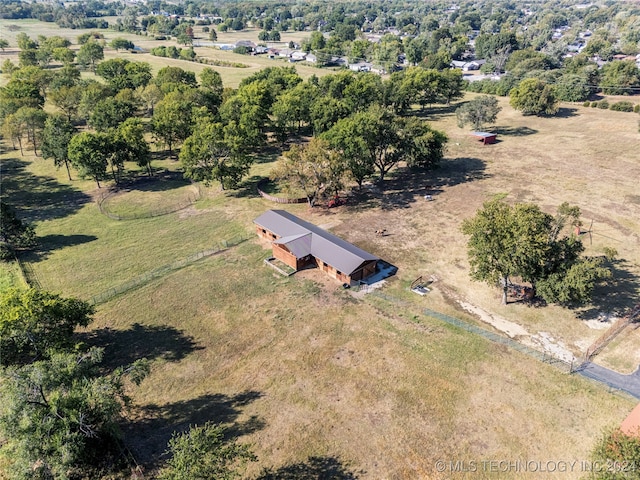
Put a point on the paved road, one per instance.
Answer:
(627, 383)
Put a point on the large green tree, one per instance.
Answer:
(33, 120)
(34, 323)
(172, 119)
(534, 97)
(90, 54)
(121, 73)
(620, 78)
(314, 169)
(14, 233)
(478, 112)
(204, 452)
(90, 154)
(56, 136)
(130, 144)
(109, 113)
(209, 154)
(67, 99)
(59, 417)
(521, 240)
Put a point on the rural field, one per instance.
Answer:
(322, 381)
(231, 76)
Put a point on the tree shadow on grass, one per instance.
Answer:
(620, 294)
(159, 182)
(405, 186)
(514, 131)
(123, 347)
(437, 112)
(149, 435)
(248, 188)
(565, 112)
(48, 243)
(38, 198)
(315, 468)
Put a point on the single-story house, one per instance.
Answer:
(297, 56)
(301, 244)
(468, 66)
(361, 67)
(485, 137)
(311, 58)
(248, 44)
(285, 52)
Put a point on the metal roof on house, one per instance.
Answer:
(332, 250)
(299, 245)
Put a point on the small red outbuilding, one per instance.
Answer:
(485, 137)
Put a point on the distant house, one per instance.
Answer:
(248, 44)
(301, 244)
(468, 66)
(285, 52)
(360, 67)
(297, 56)
(311, 58)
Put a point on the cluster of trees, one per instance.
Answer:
(173, 52)
(521, 240)
(232, 126)
(573, 80)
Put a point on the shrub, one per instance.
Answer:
(622, 106)
(604, 105)
(594, 104)
(586, 104)
(636, 108)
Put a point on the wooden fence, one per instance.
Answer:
(191, 199)
(271, 198)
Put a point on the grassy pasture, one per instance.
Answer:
(315, 378)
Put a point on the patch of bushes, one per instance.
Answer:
(604, 105)
(586, 104)
(622, 106)
(174, 52)
(223, 63)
